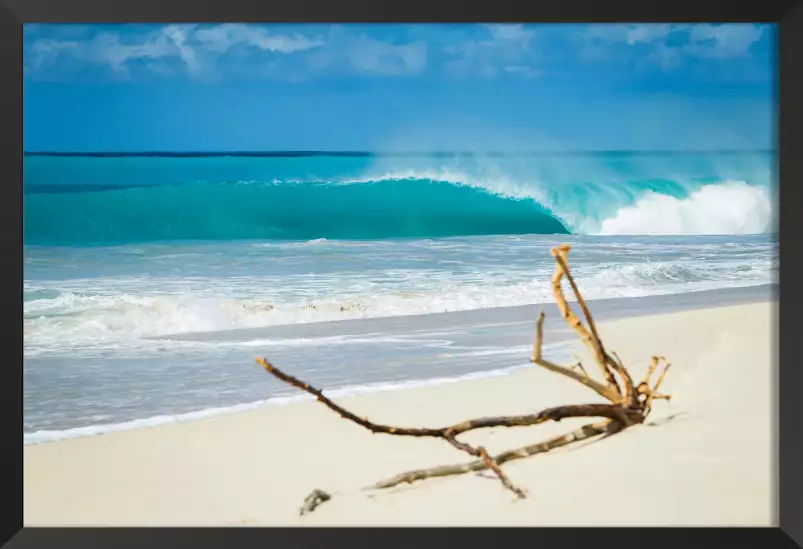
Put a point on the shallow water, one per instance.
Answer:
(203, 374)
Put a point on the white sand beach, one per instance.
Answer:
(704, 458)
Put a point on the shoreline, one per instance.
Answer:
(603, 308)
(255, 467)
(40, 437)
(556, 334)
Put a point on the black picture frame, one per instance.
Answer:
(789, 15)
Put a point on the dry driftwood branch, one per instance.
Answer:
(627, 404)
(449, 433)
(601, 389)
(582, 433)
(550, 414)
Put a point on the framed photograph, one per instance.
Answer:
(315, 266)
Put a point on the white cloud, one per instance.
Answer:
(638, 34)
(478, 50)
(631, 34)
(107, 49)
(510, 33)
(190, 45)
(44, 52)
(222, 37)
(709, 41)
(376, 57)
(195, 49)
(179, 37)
(349, 52)
(723, 41)
(506, 50)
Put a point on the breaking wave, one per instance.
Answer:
(393, 205)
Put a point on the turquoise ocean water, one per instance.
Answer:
(125, 256)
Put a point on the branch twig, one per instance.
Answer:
(602, 390)
(583, 433)
(561, 254)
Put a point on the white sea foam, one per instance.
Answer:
(73, 319)
(516, 350)
(733, 207)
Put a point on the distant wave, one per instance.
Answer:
(428, 203)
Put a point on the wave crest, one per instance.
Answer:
(394, 204)
(733, 207)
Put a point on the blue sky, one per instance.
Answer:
(388, 87)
